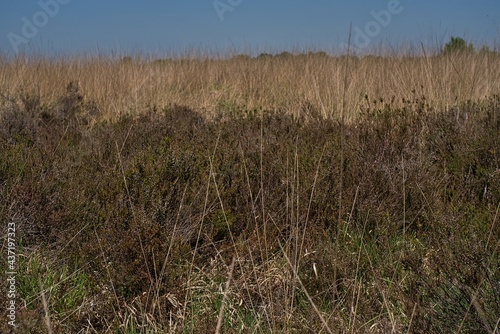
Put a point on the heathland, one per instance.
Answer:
(288, 193)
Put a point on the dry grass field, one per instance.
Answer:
(276, 194)
(298, 85)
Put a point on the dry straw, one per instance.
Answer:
(310, 83)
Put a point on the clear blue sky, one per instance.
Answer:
(162, 27)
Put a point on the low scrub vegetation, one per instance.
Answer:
(254, 220)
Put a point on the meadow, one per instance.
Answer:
(300, 193)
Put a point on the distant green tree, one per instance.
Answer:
(321, 54)
(457, 44)
(284, 54)
(484, 50)
(264, 55)
(127, 60)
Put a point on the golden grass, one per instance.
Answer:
(306, 83)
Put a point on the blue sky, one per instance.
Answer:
(65, 27)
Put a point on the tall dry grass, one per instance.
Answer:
(307, 83)
(389, 224)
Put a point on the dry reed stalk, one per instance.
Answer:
(300, 84)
